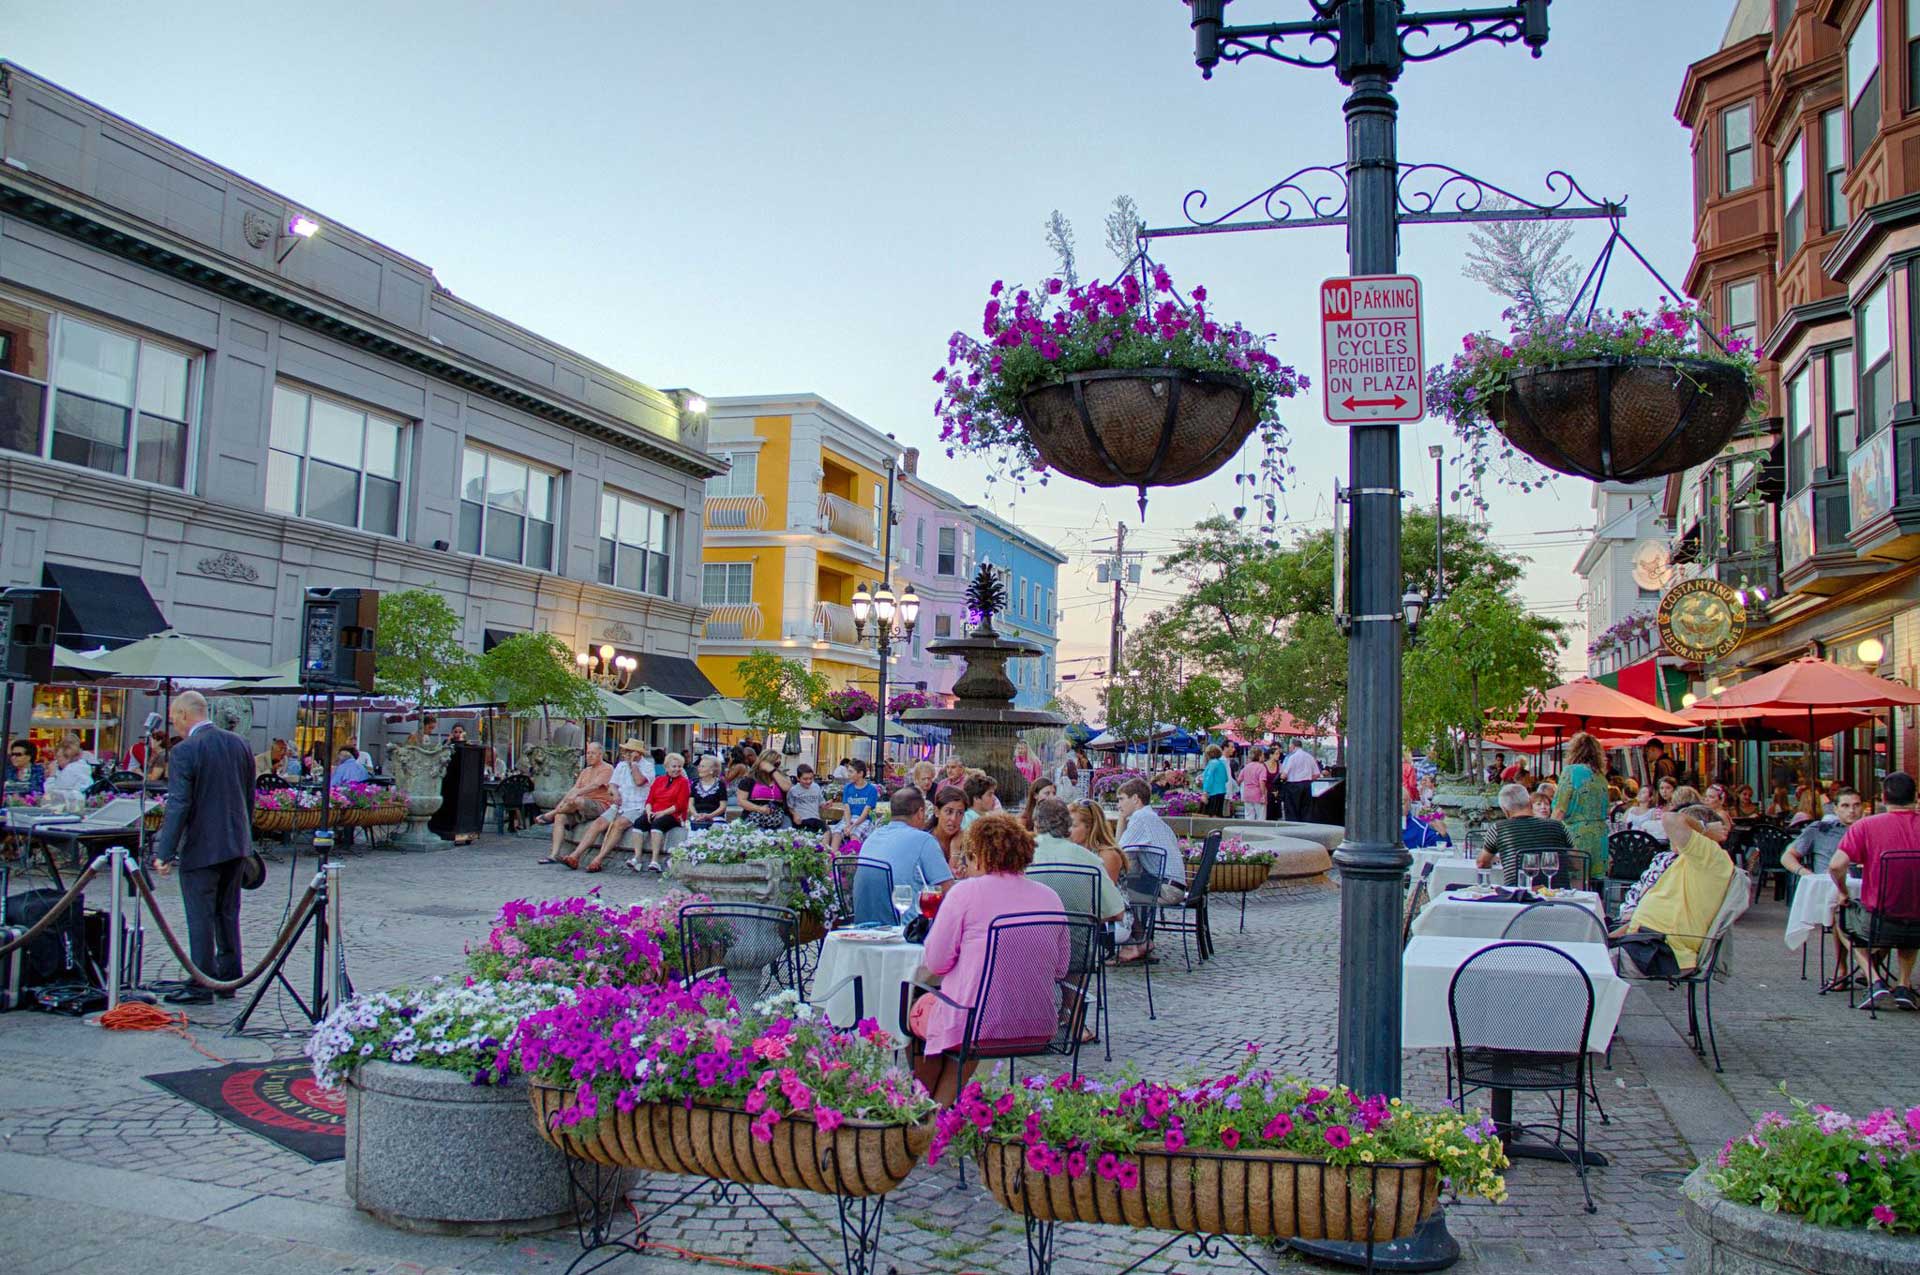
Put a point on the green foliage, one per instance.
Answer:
(1159, 683)
(777, 692)
(1827, 1167)
(418, 656)
(1306, 674)
(536, 671)
(1479, 650)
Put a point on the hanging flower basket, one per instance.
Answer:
(859, 1158)
(1125, 384)
(1258, 1193)
(1233, 878)
(1146, 427)
(1623, 419)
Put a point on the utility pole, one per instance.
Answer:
(1119, 627)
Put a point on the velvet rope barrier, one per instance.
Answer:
(295, 920)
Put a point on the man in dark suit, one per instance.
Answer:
(209, 832)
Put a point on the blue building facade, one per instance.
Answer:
(1031, 569)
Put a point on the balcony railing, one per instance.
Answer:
(734, 622)
(833, 622)
(736, 513)
(841, 517)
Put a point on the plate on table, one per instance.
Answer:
(878, 934)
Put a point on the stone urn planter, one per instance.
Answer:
(418, 770)
(427, 1150)
(555, 767)
(764, 881)
(1724, 1238)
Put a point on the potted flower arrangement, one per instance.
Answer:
(906, 700)
(676, 1079)
(783, 866)
(1239, 865)
(361, 805)
(1246, 1153)
(848, 704)
(582, 942)
(1107, 778)
(1178, 803)
(1119, 385)
(286, 810)
(428, 1067)
(1611, 397)
(1837, 1192)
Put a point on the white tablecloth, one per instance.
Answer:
(1451, 866)
(1812, 907)
(1462, 918)
(1428, 966)
(883, 968)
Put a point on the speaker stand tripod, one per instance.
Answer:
(331, 985)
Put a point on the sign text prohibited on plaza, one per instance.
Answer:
(1370, 368)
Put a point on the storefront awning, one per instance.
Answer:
(101, 608)
(674, 675)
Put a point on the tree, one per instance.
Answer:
(1479, 650)
(532, 671)
(1306, 675)
(1060, 239)
(777, 692)
(1123, 229)
(418, 656)
(1524, 261)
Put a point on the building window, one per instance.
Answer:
(507, 508)
(1874, 340)
(948, 563)
(1052, 619)
(1736, 148)
(1793, 198)
(1913, 54)
(726, 584)
(1742, 311)
(1833, 169)
(334, 462)
(1702, 176)
(1842, 420)
(942, 628)
(742, 477)
(636, 541)
(916, 644)
(1800, 429)
(1021, 605)
(919, 544)
(114, 402)
(1863, 83)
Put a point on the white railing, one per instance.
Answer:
(736, 513)
(841, 517)
(833, 622)
(734, 622)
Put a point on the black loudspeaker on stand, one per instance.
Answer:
(337, 632)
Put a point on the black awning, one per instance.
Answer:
(101, 608)
(674, 675)
(490, 638)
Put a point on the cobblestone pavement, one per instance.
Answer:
(98, 1167)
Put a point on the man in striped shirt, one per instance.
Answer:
(1522, 832)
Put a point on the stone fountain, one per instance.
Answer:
(984, 722)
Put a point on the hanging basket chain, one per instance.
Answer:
(1597, 275)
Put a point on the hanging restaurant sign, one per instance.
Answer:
(1701, 620)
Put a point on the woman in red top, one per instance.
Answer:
(669, 802)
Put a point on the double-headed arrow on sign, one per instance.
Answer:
(1352, 404)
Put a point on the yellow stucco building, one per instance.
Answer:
(791, 531)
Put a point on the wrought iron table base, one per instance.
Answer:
(1200, 1246)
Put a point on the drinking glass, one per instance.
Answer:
(1529, 869)
(903, 896)
(929, 903)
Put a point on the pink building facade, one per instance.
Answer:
(932, 550)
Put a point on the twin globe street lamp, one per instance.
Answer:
(607, 668)
(894, 620)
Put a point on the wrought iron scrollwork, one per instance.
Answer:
(1471, 28)
(1237, 46)
(1315, 195)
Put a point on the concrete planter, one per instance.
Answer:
(418, 771)
(555, 767)
(760, 882)
(429, 1151)
(1724, 1238)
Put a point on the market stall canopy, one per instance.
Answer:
(657, 707)
(66, 660)
(286, 681)
(722, 713)
(1809, 683)
(178, 660)
(866, 725)
(1583, 704)
(1107, 739)
(1510, 735)
(101, 608)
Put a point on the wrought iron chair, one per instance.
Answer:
(1032, 1000)
(1146, 872)
(127, 780)
(855, 878)
(1079, 891)
(1417, 898)
(743, 941)
(1190, 915)
(508, 800)
(1714, 962)
(1894, 877)
(1521, 1013)
(1554, 922)
(1765, 846)
(1630, 853)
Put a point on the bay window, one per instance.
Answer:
(1874, 340)
(636, 544)
(1863, 82)
(1833, 169)
(1742, 313)
(948, 562)
(1800, 428)
(1793, 198)
(1843, 429)
(507, 508)
(1736, 148)
(334, 462)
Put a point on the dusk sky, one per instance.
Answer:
(753, 198)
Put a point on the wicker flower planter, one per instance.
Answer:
(1262, 1194)
(1233, 878)
(812, 928)
(856, 1159)
(272, 822)
(1139, 427)
(1620, 420)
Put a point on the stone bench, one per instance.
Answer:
(633, 840)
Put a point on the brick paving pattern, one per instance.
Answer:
(78, 1103)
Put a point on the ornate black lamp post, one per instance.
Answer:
(894, 620)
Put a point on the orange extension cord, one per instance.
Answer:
(134, 1016)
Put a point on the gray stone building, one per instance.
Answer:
(220, 411)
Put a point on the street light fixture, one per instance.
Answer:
(1413, 604)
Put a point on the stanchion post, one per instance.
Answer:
(117, 898)
(336, 957)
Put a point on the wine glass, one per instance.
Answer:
(903, 899)
(1530, 865)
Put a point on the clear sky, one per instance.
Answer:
(758, 197)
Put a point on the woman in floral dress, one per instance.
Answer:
(1580, 802)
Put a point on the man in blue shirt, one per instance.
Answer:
(347, 769)
(860, 795)
(910, 853)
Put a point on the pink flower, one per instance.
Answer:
(1229, 1138)
(762, 1128)
(1278, 1127)
(1337, 1136)
(771, 1047)
(827, 1118)
(1175, 1139)
(1884, 1215)
(1108, 1165)
(1127, 1176)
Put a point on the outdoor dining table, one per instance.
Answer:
(1465, 914)
(1814, 898)
(1451, 866)
(1428, 965)
(885, 963)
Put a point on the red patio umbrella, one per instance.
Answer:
(1803, 723)
(1584, 704)
(1810, 683)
